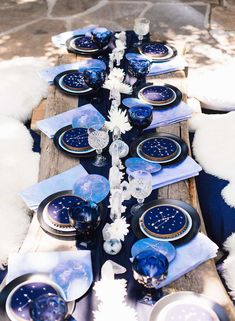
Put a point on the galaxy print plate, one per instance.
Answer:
(185, 306)
(53, 215)
(73, 142)
(72, 82)
(160, 96)
(166, 220)
(161, 148)
(17, 296)
(83, 45)
(158, 51)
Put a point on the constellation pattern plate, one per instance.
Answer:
(57, 210)
(165, 222)
(187, 306)
(60, 232)
(72, 82)
(160, 97)
(158, 149)
(166, 248)
(68, 151)
(76, 140)
(192, 216)
(83, 45)
(158, 51)
(150, 148)
(16, 296)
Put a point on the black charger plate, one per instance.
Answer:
(184, 147)
(64, 150)
(83, 52)
(174, 103)
(60, 234)
(67, 91)
(156, 59)
(196, 222)
(31, 277)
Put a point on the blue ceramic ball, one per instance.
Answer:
(151, 264)
(48, 308)
(94, 77)
(84, 216)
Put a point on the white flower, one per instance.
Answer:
(119, 45)
(117, 73)
(124, 88)
(118, 118)
(118, 229)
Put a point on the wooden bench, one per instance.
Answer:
(203, 279)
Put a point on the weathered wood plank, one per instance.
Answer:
(204, 279)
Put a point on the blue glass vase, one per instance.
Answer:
(150, 268)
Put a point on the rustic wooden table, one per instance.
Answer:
(203, 279)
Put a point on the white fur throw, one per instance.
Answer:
(21, 89)
(228, 265)
(214, 148)
(214, 88)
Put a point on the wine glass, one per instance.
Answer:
(138, 68)
(101, 36)
(141, 28)
(50, 307)
(140, 183)
(94, 78)
(85, 218)
(140, 117)
(150, 268)
(98, 139)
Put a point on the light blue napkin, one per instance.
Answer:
(35, 194)
(163, 117)
(50, 73)
(189, 256)
(60, 39)
(50, 126)
(158, 68)
(175, 173)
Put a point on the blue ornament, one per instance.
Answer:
(48, 308)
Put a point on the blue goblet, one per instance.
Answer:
(140, 117)
(139, 68)
(49, 307)
(85, 218)
(101, 36)
(94, 78)
(150, 268)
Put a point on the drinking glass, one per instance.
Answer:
(98, 139)
(101, 36)
(140, 183)
(141, 28)
(150, 268)
(139, 68)
(140, 117)
(94, 78)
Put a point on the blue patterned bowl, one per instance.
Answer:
(94, 78)
(49, 307)
(101, 36)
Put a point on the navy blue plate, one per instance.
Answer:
(73, 42)
(158, 51)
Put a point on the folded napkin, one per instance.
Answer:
(175, 173)
(50, 126)
(71, 270)
(189, 256)
(50, 73)
(163, 117)
(35, 194)
(158, 68)
(60, 39)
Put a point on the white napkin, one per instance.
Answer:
(35, 194)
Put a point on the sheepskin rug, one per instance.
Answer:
(228, 265)
(214, 148)
(21, 89)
